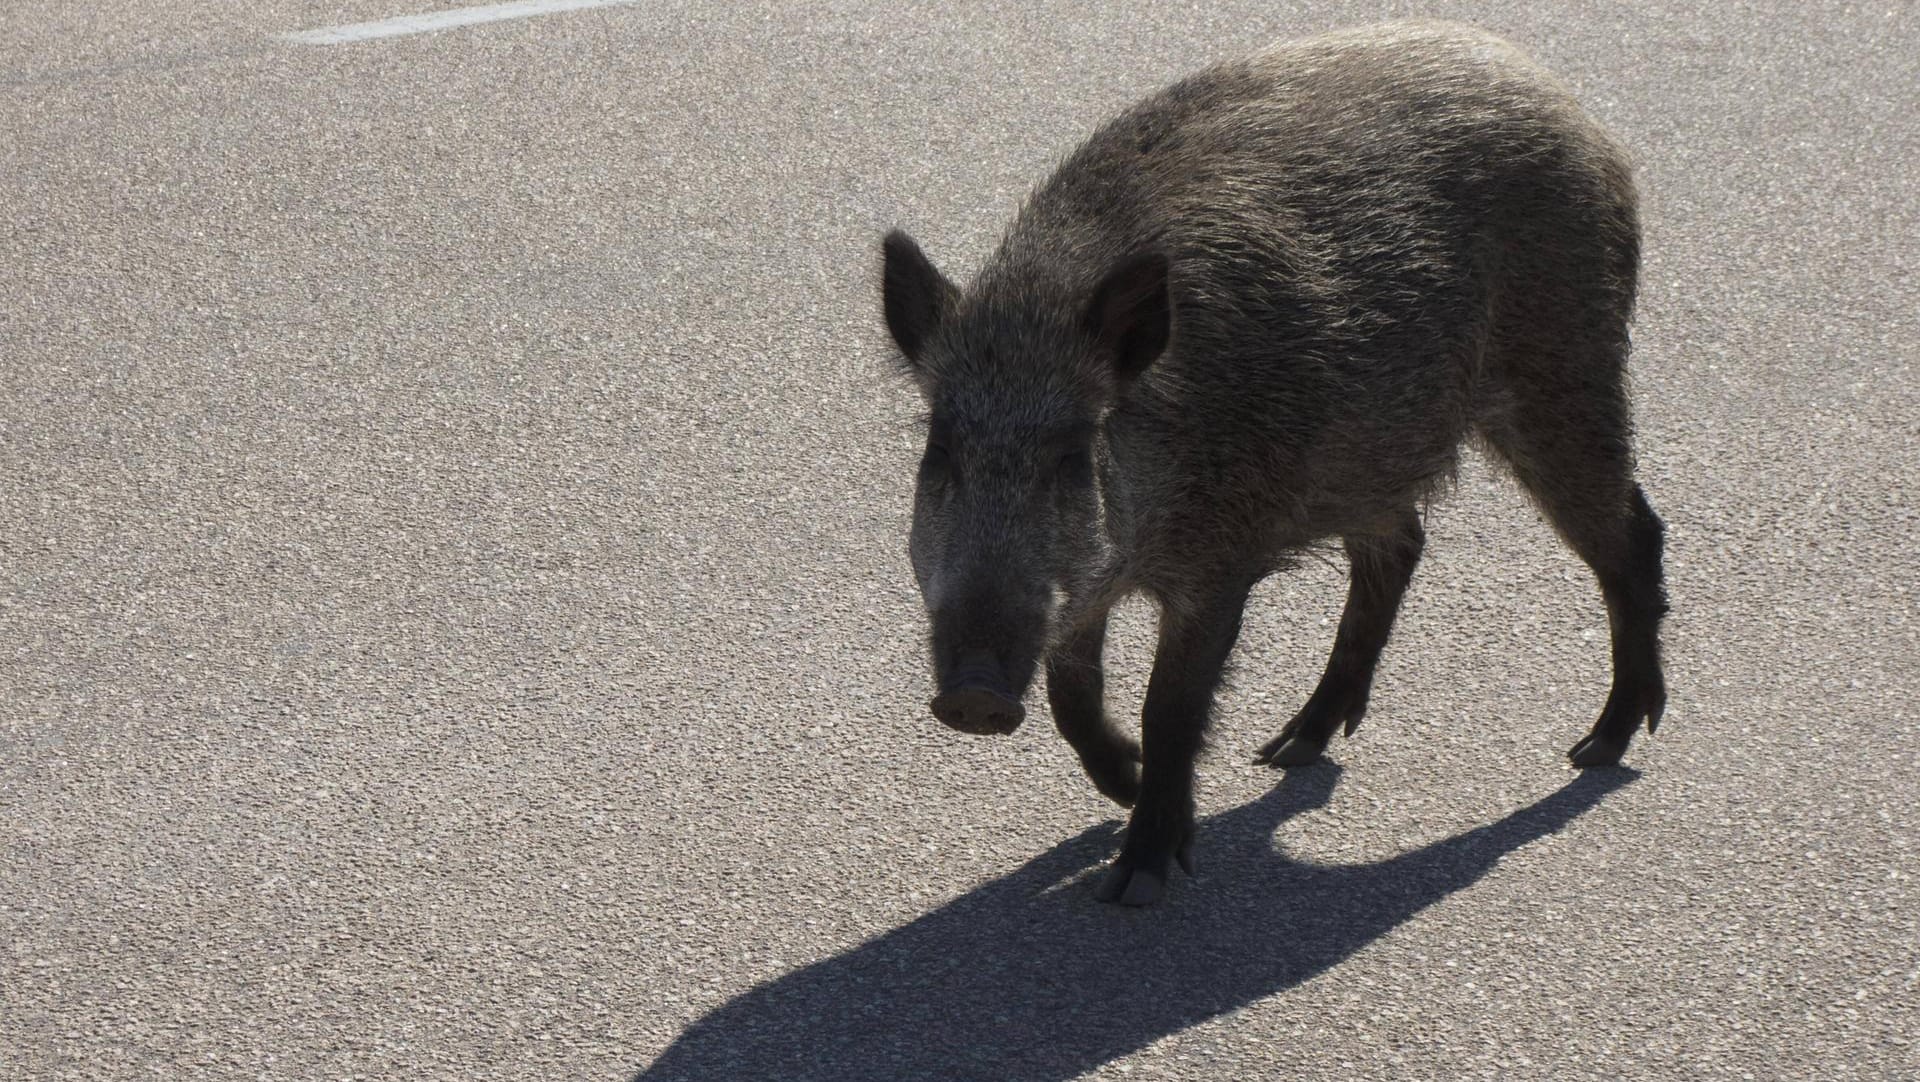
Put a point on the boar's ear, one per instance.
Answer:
(1131, 315)
(916, 295)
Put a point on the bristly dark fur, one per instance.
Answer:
(1371, 246)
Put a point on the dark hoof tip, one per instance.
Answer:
(1655, 713)
(1130, 886)
(1291, 751)
(1597, 751)
(978, 710)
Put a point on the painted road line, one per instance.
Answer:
(439, 20)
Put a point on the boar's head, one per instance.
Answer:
(1009, 522)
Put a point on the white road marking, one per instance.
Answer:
(439, 20)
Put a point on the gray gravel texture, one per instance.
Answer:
(454, 617)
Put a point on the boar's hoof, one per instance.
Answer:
(1335, 704)
(978, 710)
(1597, 750)
(1127, 885)
(1290, 750)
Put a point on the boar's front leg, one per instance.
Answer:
(1383, 566)
(1076, 690)
(1187, 665)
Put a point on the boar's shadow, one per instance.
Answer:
(1028, 979)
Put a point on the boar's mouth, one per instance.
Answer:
(976, 698)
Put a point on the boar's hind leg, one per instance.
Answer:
(1382, 565)
(1076, 691)
(1187, 665)
(1574, 458)
(1630, 579)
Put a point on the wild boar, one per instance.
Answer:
(1261, 309)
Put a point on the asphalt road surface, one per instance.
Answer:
(455, 622)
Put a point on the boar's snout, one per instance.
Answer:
(978, 711)
(976, 698)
